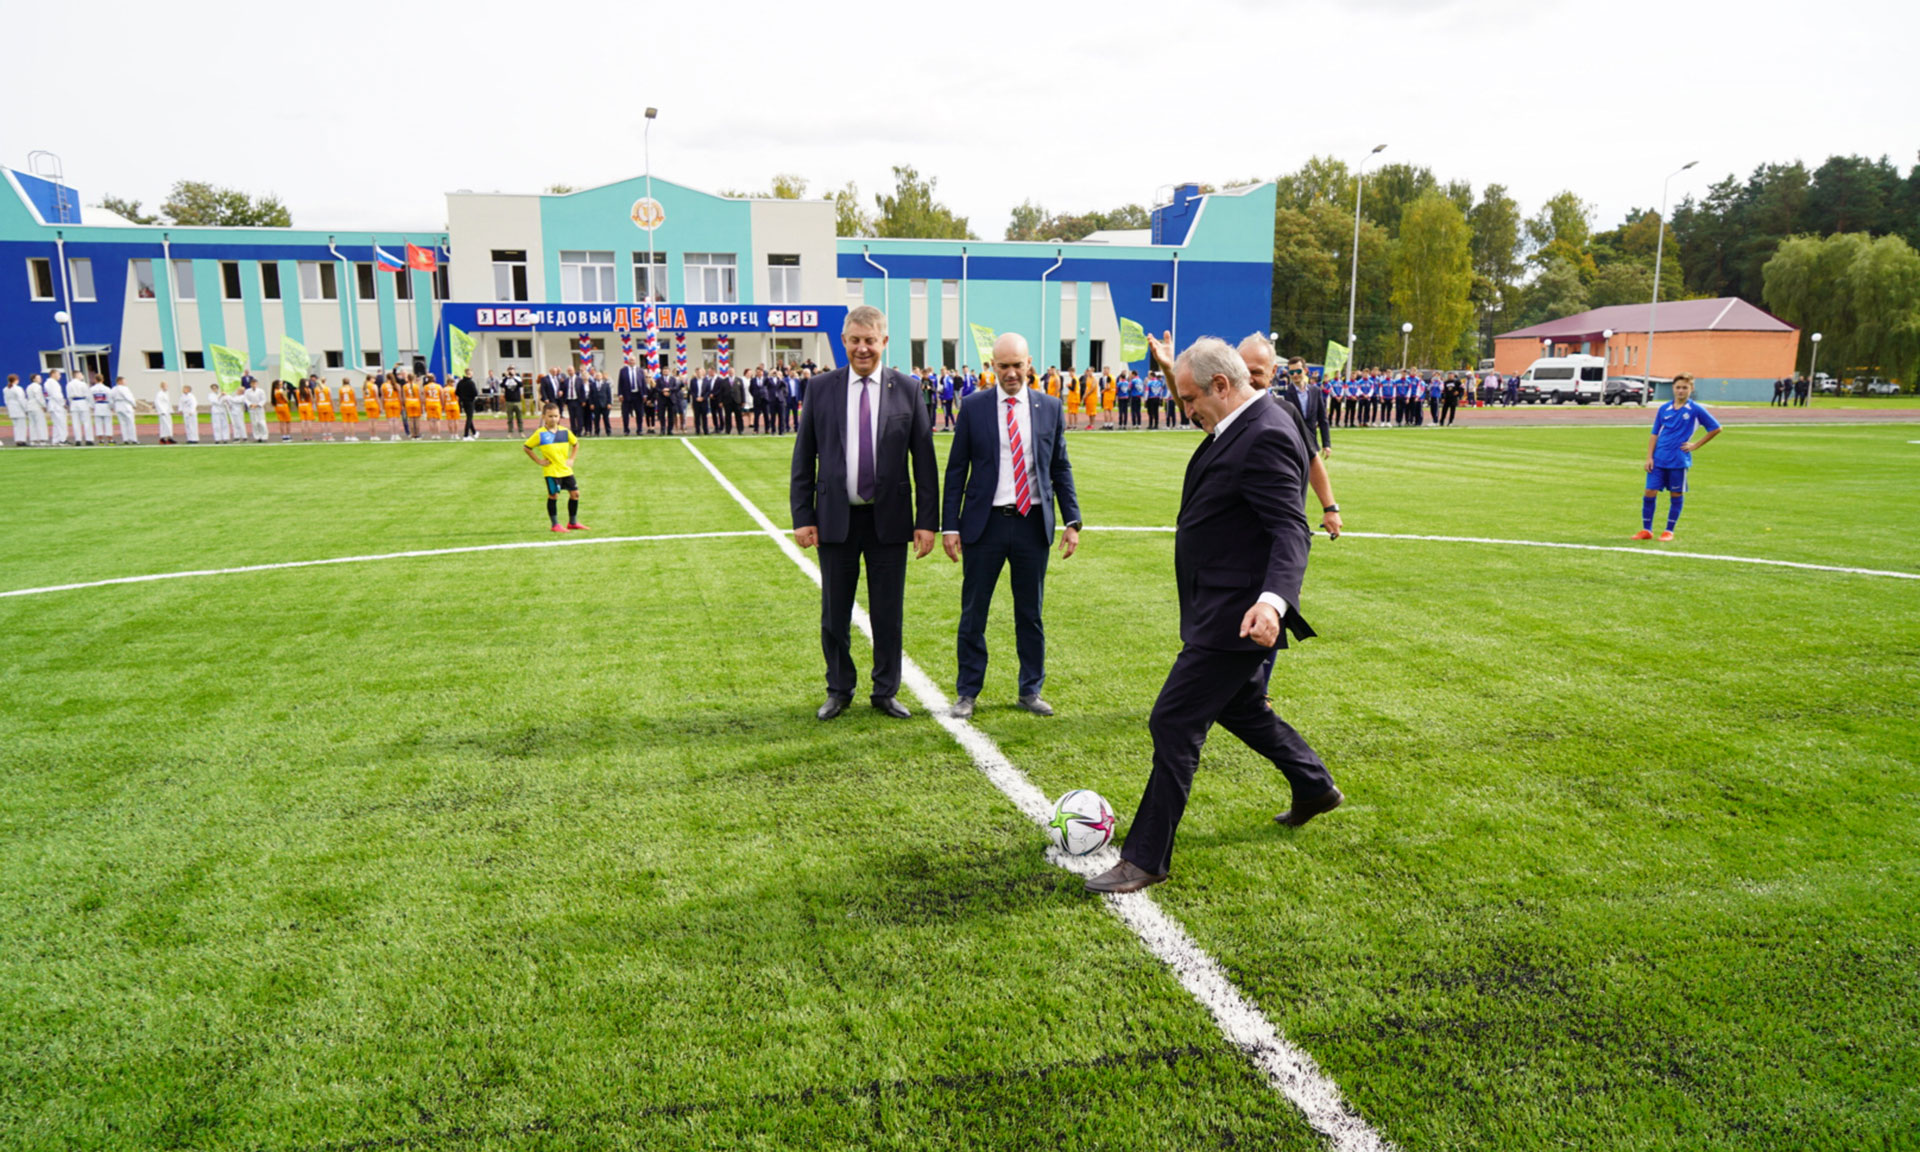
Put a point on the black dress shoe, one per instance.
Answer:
(1035, 705)
(1301, 813)
(962, 708)
(892, 707)
(1125, 876)
(833, 707)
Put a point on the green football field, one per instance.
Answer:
(542, 847)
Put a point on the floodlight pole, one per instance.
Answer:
(1813, 365)
(1353, 282)
(1659, 248)
(1406, 333)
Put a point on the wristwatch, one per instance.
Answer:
(1330, 508)
(1074, 524)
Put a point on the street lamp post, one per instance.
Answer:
(1813, 365)
(1406, 332)
(1606, 350)
(1353, 283)
(1659, 247)
(66, 341)
(646, 154)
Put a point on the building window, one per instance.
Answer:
(711, 278)
(440, 289)
(786, 350)
(1097, 355)
(586, 277)
(509, 274)
(1069, 293)
(599, 353)
(269, 280)
(950, 352)
(40, 277)
(1066, 355)
(156, 361)
(1157, 292)
(194, 361)
(650, 277)
(363, 282)
(949, 290)
(917, 289)
(336, 358)
(857, 288)
(403, 284)
(783, 279)
(142, 278)
(319, 281)
(370, 357)
(183, 280)
(80, 278)
(229, 279)
(918, 352)
(1100, 290)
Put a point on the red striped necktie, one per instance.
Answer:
(1022, 495)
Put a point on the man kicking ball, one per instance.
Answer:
(556, 448)
(1670, 453)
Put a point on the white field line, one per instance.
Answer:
(1289, 1070)
(571, 541)
(1581, 548)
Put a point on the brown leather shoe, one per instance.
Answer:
(1125, 876)
(1301, 813)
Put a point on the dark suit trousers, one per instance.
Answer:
(886, 604)
(1207, 687)
(1019, 541)
(700, 417)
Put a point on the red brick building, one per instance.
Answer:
(1734, 350)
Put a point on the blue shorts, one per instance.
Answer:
(1670, 479)
(556, 483)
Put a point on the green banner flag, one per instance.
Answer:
(228, 366)
(983, 340)
(294, 361)
(1133, 341)
(460, 344)
(1336, 359)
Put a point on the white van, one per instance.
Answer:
(1553, 379)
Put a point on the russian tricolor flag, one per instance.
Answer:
(386, 261)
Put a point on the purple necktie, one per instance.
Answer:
(863, 476)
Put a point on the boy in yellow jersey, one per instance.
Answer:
(390, 400)
(430, 406)
(349, 412)
(553, 448)
(323, 408)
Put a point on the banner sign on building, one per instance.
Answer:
(633, 317)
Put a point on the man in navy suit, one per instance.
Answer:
(1239, 558)
(1007, 466)
(864, 483)
(1303, 394)
(632, 400)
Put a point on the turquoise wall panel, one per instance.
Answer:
(290, 314)
(254, 317)
(163, 300)
(207, 302)
(695, 220)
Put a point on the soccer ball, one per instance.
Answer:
(1082, 822)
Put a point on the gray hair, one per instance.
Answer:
(1211, 356)
(865, 316)
(1256, 340)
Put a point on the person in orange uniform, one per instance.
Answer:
(450, 406)
(349, 412)
(430, 405)
(1109, 399)
(323, 408)
(410, 395)
(390, 400)
(1071, 401)
(283, 408)
(304, 407)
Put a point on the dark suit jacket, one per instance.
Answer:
(600, 393)
(973, 463)
(631, 380)
(549, 389)
(1243, 528)
(906, 485)
(1315, 411)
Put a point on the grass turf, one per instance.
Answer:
(543, 849)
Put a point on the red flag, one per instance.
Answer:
(421, 259)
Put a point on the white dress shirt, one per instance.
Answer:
(1273, 598)
(163, 402)
(1003, 489)
(853, 430)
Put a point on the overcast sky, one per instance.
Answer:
(363, 113)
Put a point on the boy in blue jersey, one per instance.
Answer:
(554, 448)
(1670, 453)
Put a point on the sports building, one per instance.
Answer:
(1734, 350)
(532, 277)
